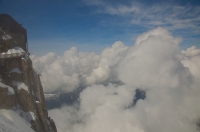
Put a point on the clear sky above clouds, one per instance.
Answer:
(92, 25)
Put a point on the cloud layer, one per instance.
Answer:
(167, 14)
(68, 72)
(155, 64)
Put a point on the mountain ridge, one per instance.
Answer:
(21, 91)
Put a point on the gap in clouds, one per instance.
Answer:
(167, 79)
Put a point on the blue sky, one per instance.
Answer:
(92, 25)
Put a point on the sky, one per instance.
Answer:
(93, 25)
(153, 46)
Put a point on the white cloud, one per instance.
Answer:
(106, 69)
(158, 14)
(70, 69)
(153, 61)
(191, 60)
(76, 68)
(155, 64)
(192, 51)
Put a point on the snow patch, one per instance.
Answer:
(14, 51)
(6, 37)
(12, 122)
(25, 58)
(15, 70)
(26, 115)
(20, 85)
(10, 90)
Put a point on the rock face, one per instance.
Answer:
(20, 87)
(7, 101)
(21, 91)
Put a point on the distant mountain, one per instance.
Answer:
(59, 99)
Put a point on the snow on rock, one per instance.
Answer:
(10, 90)
(6, 37)
(26, 57)
(20, 85)
(26, 115)
(23, 86)
(10, 121)
(16, 70)
(14, 51)
(37, 101)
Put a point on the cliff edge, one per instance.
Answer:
(21, 90)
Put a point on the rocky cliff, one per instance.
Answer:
(20, 88)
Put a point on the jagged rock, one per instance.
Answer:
(20, 86)
(9, 102)
(6, 101)
(25, 100)
(3, 94)
(53, 125)
(22, 92)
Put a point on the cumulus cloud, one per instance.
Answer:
(154, 64)
(191, 60)
(67, 72)
(76, 68)
(153, 61)
(192, 51)
(106, 70)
